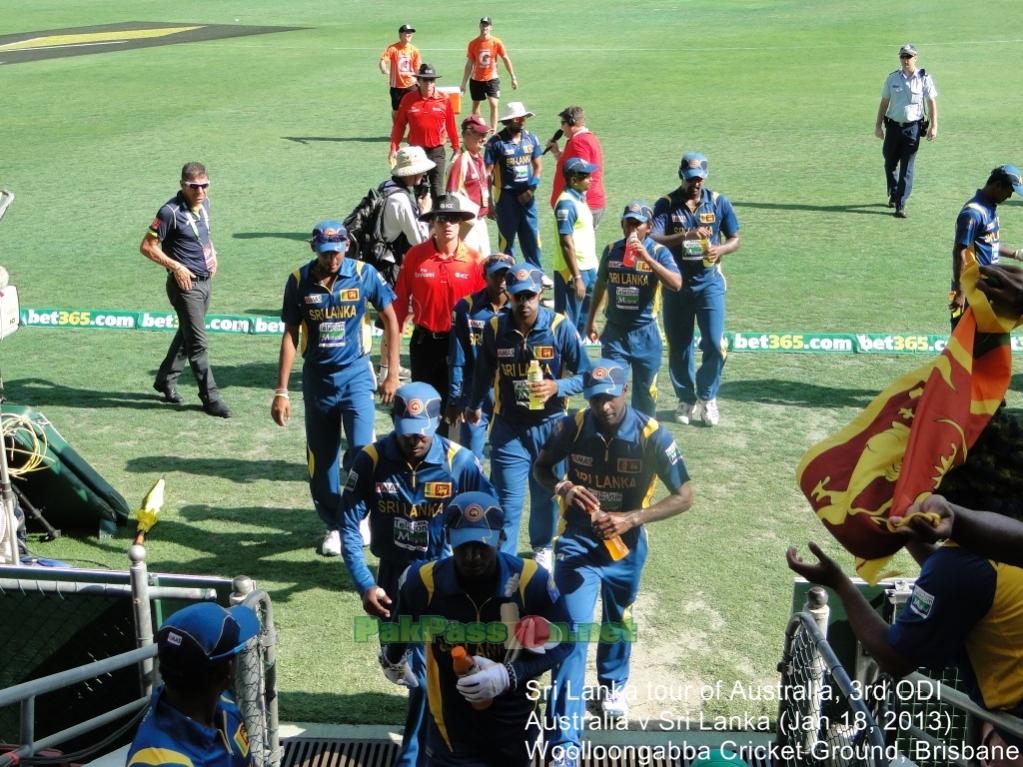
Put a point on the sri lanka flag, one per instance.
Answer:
(898, 449)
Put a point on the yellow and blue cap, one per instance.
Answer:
(605, 377)
(474, 516)
(693, 165)
(523, 278)
(416, 409)
(329, 235)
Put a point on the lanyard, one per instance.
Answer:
(191, 221)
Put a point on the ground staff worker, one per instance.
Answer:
(692, 221)
(472, 314)
(614, 455)
(478, 586)
(631, 274)
(510, 342)
(480, 71)
(513, 162)
(402, 483)
(179, 241)
(430, 120)
(400, 61)
(901, 121)
(327, 298)
(435, 276)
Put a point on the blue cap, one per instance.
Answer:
(496, 262)
(1011, 174)
(329, 235)
(523, 278)
(693, 165)
(605, 377)
(638, 211)
(474, 516)
(577, 165)
(200, 634)
(416, 409)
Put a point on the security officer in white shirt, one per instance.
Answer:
(901, 120)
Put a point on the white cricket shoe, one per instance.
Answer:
(544, 556)
(615, 703)
(684, 412)
(331, 546)
(709, 411)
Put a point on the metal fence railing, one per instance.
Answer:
(823, 718)
(73, 602)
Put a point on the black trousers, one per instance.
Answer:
(436, 175)
(190, 342)
(901, 143)
(428, 361)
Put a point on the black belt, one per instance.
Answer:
(421, 331)
(195, 277)
(903, 125)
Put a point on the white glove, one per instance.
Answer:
(399, 673)
(487, 683)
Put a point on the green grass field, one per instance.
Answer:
(780, 95)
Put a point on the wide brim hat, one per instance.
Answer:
(515, 109)
(451, 205)
(411, 161)
(427, 72)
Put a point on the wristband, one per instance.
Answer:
(562, 485)
(513, 678)
(281, 393)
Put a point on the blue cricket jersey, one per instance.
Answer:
(405, 506)
(672, 215)
(333, 324)
(620, 471)
(633, 292)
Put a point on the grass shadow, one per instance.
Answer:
(868, 209)
(236, 470)
(274, 546)
(796, 393)
(40, 392)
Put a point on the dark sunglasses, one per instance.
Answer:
(330, 235)
(443, 218)
(196, 185)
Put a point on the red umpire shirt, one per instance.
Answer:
(435, 282)
(430, 120)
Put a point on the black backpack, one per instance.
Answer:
(367, 243)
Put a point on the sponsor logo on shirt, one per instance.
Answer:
(437, 490)
(921, 602)
(506, 352)
(582, 460)
(672, 454)
(316, 298)
(352, 481)
(387, 488)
